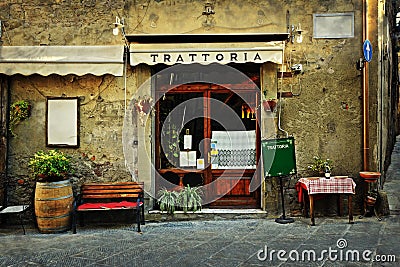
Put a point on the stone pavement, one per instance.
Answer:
(225, 242)
(392, 183)
(243, 242)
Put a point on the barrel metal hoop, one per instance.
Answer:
(54, 198)
(55, 217)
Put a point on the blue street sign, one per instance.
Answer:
(367, 49)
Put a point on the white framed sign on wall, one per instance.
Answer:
(62, 121)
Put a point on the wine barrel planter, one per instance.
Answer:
(53, 206)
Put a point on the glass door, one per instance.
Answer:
(233, 134)
(208, 136)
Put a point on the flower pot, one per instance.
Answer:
(370, 201)
(269, 105)
(53, 206)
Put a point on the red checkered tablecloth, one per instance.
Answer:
(330, 186)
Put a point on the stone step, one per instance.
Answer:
(206, 214)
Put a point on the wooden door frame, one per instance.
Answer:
(207, 90)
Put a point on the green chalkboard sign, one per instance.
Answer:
(279, 158)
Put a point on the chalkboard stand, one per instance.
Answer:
(283, 219)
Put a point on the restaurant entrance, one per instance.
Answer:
(221, 122)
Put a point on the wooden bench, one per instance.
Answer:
(110, 197)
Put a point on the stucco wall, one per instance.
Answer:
(325, 118)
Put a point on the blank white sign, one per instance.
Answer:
(336, 25)
(62, 122)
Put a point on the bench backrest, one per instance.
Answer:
(121, 190)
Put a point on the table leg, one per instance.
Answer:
(350, 207)
(340, 205)
(305, 203)
(311, 198)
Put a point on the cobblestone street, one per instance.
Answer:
(252, 242)
(241, 242)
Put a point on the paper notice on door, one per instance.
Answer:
(187, 141)
(187, 158)
(200, 164)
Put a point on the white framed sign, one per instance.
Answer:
(62, 121)
(333, 25)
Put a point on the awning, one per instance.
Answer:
(62, 60)
(206, 53)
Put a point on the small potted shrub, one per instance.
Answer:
(319, 164)
(50, 166)
(190, 198)
(53, 192)
(168, 200)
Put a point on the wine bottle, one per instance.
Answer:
(327, 172)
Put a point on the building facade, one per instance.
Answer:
(184, 83)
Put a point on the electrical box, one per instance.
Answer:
(279, 158)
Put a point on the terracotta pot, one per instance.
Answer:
(269, 105)
(370, 201)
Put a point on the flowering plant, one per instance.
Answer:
(319, 164)
(19, 111)
(52, 165)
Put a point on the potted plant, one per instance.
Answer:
(319, 164)
(19, 111)
(53, 191)
(168, 200)
(270, 104)
(189, 198)
(371, 198)
(50, 166)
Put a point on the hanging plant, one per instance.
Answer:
(19, 111)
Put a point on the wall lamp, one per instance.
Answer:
(118, 24)
(295, 32)
(208, 9)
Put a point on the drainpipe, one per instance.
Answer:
(365, 91)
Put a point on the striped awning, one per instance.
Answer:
(206, 53)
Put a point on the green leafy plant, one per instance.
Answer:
(319, 164)
(168, 200)
(52, 165)
(19, 111)
(190, 198)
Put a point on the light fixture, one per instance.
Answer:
(118, 24)
(295, 32)
(299, 35)
(208, 9)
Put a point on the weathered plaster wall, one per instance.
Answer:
(102, 110)
(60, 22)
(325, 118)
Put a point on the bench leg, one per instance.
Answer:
(74, 222)
(138, 219)
(142, 215)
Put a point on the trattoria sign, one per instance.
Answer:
(170, 54)
(203, 57)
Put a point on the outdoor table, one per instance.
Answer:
(320, 185)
